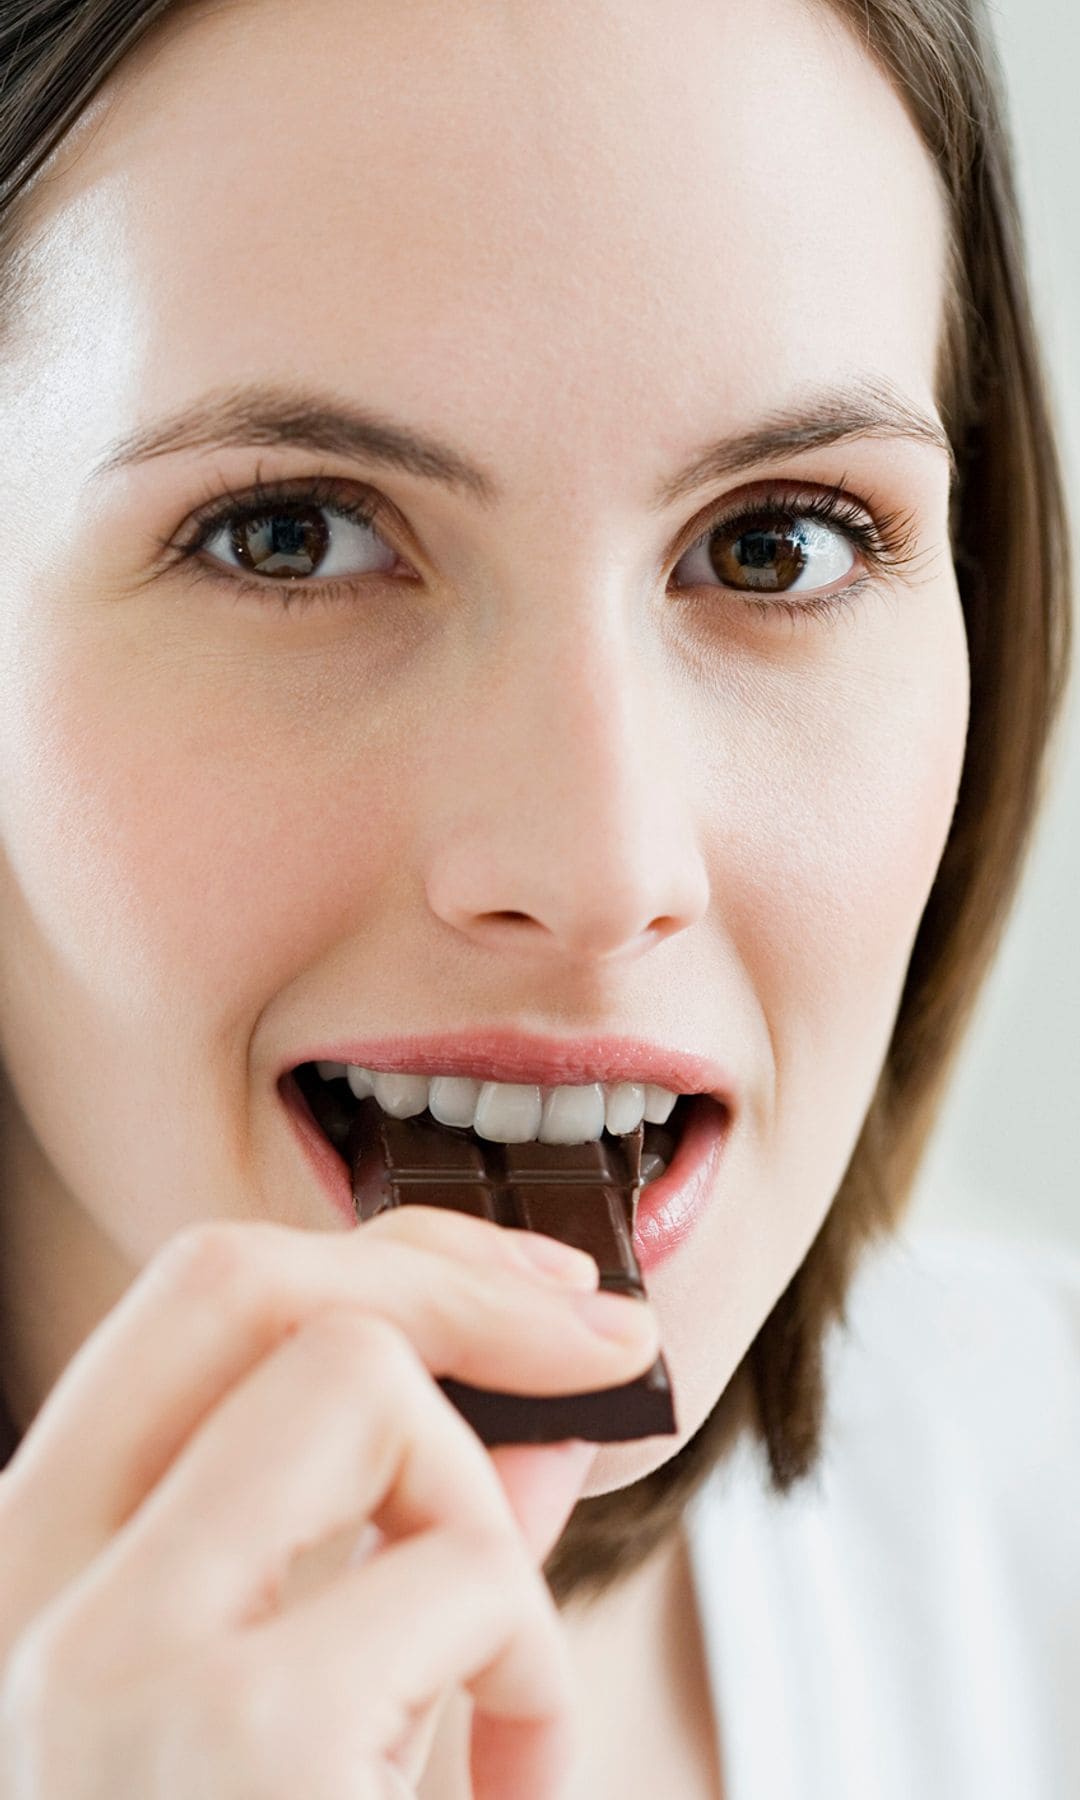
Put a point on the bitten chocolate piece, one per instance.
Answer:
(583, 1194)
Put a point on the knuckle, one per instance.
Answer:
(348, 1337)
(468, 1318)
(490, 1290)
(208, 1255)
(229, 1262)
(473, 1310)
(458, 1309)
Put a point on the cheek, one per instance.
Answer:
(180, 829)
(172, 857)
(836, 862)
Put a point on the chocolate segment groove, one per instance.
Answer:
(584, 1194)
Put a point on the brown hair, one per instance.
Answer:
(1010, 547)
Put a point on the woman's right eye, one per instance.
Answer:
(292, 541)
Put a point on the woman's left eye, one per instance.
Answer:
(770, 551)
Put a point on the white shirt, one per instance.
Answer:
(907, 1626)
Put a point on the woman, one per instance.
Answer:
(536, 560)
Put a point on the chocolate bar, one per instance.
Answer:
(583, 1194)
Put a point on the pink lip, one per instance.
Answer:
(668, 1208)
(499, 1054)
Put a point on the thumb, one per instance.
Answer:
(543, 1484)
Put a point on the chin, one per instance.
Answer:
(620, 1465)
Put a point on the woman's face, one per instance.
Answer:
(547, 761)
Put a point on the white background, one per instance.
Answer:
(1006, 1156)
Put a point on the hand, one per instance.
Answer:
(257, 1389)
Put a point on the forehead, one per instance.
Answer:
(604, 225)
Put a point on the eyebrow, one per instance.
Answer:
(257, 414)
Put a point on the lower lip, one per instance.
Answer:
(668, 1208)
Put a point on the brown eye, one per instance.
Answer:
(772, 553)
(762, 556)
(281, 543)
(295, 540)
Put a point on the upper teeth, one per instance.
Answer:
(507, 1113)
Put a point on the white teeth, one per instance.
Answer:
(453, 1099)
(658, 1104)
(625, 1107)
(401, 1096)
(573, 1115)
(508, 1113)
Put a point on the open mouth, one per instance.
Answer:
(334, 1107)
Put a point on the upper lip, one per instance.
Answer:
(497, 1054)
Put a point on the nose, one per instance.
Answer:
(563, 816)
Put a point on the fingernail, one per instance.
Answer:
(618, 1316)
(560, 1262)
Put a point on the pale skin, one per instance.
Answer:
(226, 827)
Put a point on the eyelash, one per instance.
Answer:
(885, 543)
